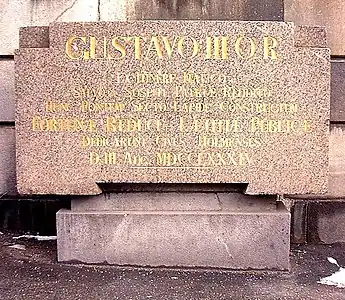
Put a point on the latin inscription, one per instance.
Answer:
(154, 117)
(149, 127)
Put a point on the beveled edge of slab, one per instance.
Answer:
(311, 36)
(34, 37)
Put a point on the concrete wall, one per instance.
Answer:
(331, 13)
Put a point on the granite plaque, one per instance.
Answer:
(172, 102)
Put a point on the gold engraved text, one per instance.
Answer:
(132, 125)
(63, 124)
(279, 126)
(202, 159)
(163, 47)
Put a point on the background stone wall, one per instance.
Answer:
(312, 220)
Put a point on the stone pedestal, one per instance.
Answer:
(218, 230)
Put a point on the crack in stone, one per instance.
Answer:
(220, 205)
(220, 239)
(99, 10)
(67, 9)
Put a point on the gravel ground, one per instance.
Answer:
(33, 273)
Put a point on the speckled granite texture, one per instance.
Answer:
(85, 116)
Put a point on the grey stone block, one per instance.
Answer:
(7, 161)
(222, 239)
(7, 102)
(337, 90)
(336, 182)
(247, 10)
(299, 213)
(173, 202)
(326, 222)
(20, 13)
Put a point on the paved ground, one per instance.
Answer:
(33, 273)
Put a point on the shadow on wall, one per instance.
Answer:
(38, 214)
(31, 216)
(245, 10)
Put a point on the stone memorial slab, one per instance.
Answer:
(173, 102)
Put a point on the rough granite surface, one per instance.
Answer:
(70, 111)
(34, 37)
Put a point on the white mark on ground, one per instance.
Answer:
(337, 279)
(17, 246)
(36, 237)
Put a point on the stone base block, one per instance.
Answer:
(220, 239)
